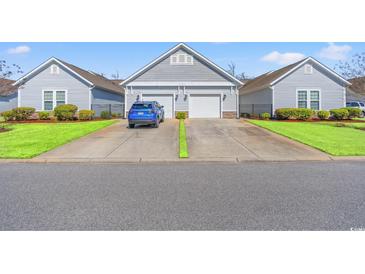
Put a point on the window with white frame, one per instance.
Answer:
(308, 69)
(308, 99)
(181, 59)
(53, 98)
(55, 69)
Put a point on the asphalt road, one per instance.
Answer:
(248, 196)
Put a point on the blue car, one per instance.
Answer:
(146, 113)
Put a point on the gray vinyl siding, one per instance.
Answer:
(331, 89)
(77, 90)
(100, 96)
(263, 96)
(182, 101)
(164, 71)
(8, 102)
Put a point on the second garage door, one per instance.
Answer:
(204, 106)
(164, 100)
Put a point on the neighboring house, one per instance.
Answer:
(8, 95)
(356, 92)
(182, 80)
(56, 82)
(304, 84)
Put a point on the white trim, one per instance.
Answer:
(46, 63)
(308, 90)
(237, 103)
(221, 105)
(90, 99)
(344, 97)
(178, 46)
(273, 100)
(314, 61)
(173, 84)
(54, 90)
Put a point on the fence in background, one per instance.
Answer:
(110, 108)
(255, 109)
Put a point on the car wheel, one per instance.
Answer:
(363, 114)
(131, 125)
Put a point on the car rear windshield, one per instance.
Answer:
(362, 104)
(141, 106)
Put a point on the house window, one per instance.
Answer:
(53, 98)
(314, 99)
(308, 99)
(55, 69)
(181, 59)
(48, 100)
(302, 99)
(308, 69)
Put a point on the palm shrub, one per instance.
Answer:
(43, 115)
(340, 113)
(323, 114)
(265, 116)
(8, 115)
(23, 113)
(65, 112)
(86, 114)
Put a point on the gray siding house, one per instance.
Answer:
(56, 82)
(304, 84)
(8, 95)
(182, 80)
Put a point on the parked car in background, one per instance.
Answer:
(146, 113)
(357, 104)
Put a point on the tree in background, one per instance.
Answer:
(232, 70)
(115, 76)
(7, 71)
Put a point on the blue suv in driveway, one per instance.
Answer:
(146, 113)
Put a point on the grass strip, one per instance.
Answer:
(182, 140)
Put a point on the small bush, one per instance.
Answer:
(353, 112)
(181, 115)
(116, 115)
(244, 115)
(23, 113)
(265, 116)
(323, 114)
(105, 114)
(65, 112)
(43, 115)
(293, 113)
(339, 114)
(8, 115)
(86, 114)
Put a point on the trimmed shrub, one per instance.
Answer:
(181, 115)
(265, 116)
(43, 115)
(293, 113)
(339, 114)
(86, 114)
(323, 114)
(105, 114)
(23, 113)
(8, 115)
(353, 112)
(65, 112)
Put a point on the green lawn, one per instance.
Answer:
(183, 152)
(29, 140)
(339, 141)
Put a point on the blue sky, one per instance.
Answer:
(126, 58)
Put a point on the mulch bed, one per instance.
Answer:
(3, 129)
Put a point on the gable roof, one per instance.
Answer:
(271, 78)
(92, 79)
(171, 51)
(7, 87)
(358, 85)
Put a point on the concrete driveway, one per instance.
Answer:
(118, 143)
(237, 140)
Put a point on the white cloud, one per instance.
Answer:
(334, 52)
(19, 50)
(283, 58)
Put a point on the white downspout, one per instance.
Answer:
(273, 100)
(237, 102)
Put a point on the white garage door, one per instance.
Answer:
(204, 106)
(164, 100)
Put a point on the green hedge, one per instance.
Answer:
(43, 115)
(353, 112)
(340, 113)
(294, 113)
(181, 115)
(8, 115)
(105, 114)
(65, 112)
(23, 113)
(265, 116)
(323, 114)
(86, 114)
